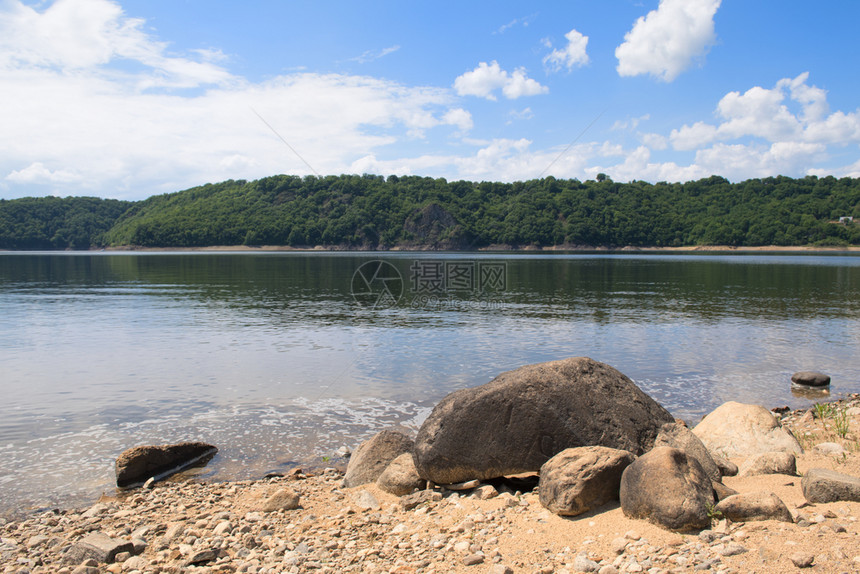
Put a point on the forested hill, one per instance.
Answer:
(368, 212)
(55, 223)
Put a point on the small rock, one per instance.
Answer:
(583, 564)
(373, 456)
(802, 560)
(770, 463)
(732, 549)
(486, 492)
(822, 485)
(410, 501)
(283, 499)
(467, 485)
(137, 465)
(832, 448)
(473, 559)
(343, 452)
(754, 506)
(201, 557)
(400, 477)
(500, 569)
(97, 546)
(364, 499)
(810, 379)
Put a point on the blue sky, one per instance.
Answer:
(130, 98)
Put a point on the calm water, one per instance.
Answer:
(281, 358)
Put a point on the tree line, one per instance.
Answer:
(374, 212)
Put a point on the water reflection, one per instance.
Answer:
(271, 358)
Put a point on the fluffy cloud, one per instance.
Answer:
(790, 112)
(80, 114)
(739, 161)
(484, 80)
(669, 39)
(79, 35)
(571, 56)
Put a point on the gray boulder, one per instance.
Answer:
(400, 477)
(580, 479)
(522, 418)
(374, 455)
(770, 463)
(741, 430)
(810, 379)
(749, 507)
(136, 465)
(821, 485)
(677, 435)
(668, 488)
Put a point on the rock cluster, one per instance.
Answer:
(522, 418)
(670, 502)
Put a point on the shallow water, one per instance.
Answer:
(280, 358)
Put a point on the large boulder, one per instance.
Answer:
(822, 485)
(668, 488)
(374, 455)
(136, 465)
(678, 435)
(520, 419)
(741, 430)
(580, 479)
(753, 506)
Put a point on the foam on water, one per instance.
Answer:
(73, 468)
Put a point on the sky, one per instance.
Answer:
(131, 98)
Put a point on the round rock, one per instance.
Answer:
(810, 379)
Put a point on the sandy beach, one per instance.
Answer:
(190, 527)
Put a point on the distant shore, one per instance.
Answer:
(503, 248)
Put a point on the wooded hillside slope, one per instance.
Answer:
(373, 212)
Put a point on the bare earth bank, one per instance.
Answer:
(221, 528)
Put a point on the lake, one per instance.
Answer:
(279, 358)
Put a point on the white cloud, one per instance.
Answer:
(693, 137)
(77, 35)
(742, 161)
(78, 118)
(371, 55)
(485, 79)
(668, 40)
(630, 123)
(523, 114)
(524, 21)
(758, 112)
(637, 165)
(460, 118)
(571, 56)
(792, 111)
(654, 141)
(36, 172)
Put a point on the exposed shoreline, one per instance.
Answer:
(703, 249)
(224, 527)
